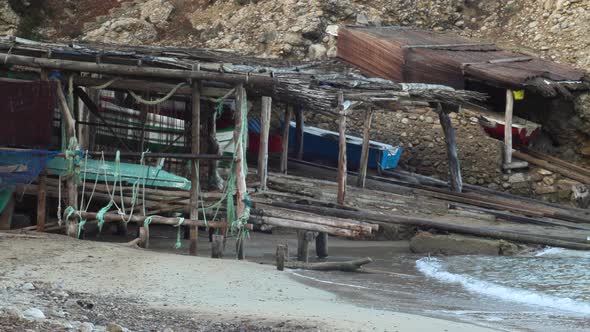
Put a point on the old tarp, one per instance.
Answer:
(26, 113)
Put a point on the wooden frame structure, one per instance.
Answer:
(194, 75)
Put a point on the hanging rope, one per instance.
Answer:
(106, 85)
(156, 101)
(178, 244)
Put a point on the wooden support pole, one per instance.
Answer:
(365, 149)
(299, 132)
(6, 214)
(41, 201)
(217, 246)
(282, 256)
(456, 181)
(508, 127)
(263, 149)
(341, 151)
(303, 238)
(321, 245)
(215, 181)
(285, 148)
(240, 162)
(195, 149)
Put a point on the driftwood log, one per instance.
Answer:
(347, 266)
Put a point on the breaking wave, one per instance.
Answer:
(433, 268)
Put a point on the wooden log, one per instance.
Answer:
(321, 245)
(282, 256)
(42, 201)
(552, 167)
(240, 161)
(341, 151)
(285, 140)
(299, 132)
(156, 220)
(571, 166)
(215, 181)
(347, 266)
(195, 149)
(217, 246)
(508, 127)
(303, 238)
(67, 116)
(295, 224)
(456, 181)
(263, 149)
(365, 149)
(436, 223)
(144, 237)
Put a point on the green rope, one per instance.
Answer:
(81, 226)
(147, 222)
(101, 213)
(178, 244)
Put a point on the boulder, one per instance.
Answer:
(9, 20)
(124, 30)
(453, 244)
(316, 52)
(157, 12)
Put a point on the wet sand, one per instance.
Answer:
(216, 290)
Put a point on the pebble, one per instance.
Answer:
(113, 327)
(34, 313)
(86, 327)
(27, 286)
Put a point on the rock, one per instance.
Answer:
(332, 30)
(9, 20)
(361, 19)
(316, 52)
(27, 286)
(33, 314)
(86, 327)
(114, 327)
(125, 30)
(453, 244)
(517, 178)
(13, 312)
(156, 12)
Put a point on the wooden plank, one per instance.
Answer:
(299, 132)
(552, 167)
(239, 164)
(266, 103)
(365, 149)
(195, 149)
(508, 127)
(42, 201)
(285, 143)
(456, 182)
(341, 151)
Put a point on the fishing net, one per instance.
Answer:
(22, 166)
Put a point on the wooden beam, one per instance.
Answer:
(265, 114)
(299, 132)
(341, 151)
(239, 163)
(508, 127)
(456, 182)
(365, 149)
(195, 149)
(285, 147)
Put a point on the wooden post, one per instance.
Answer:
(365, 149)
(508, 128)
(41, 201)
(6, 214)
(321, 245)
(217, 246)
(456, 181)
(341, 151)
(282, 255)
(299, 132)
(285, 149)
(215, 181)
(195, 149)
(303, 238)
(239, 164)
(263, 149)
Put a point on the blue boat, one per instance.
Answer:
(322, 145)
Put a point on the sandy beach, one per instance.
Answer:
(193, 288)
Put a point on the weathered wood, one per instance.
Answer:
(240, 163)
(111, 217)
(456, 181)
(341, 151)
(6, 214)
(217, 246)
(215, 181)
(144, 237)
(365, 149)
(299, 132)
(508, 127)
(195, 149)
(42, 201)
(296, 224)
(67, 117)
(348, 266)
(321, 245)
(303, 238)
(552, 167)
(285, 140)
(282, 256)
(560, 162)
(266, 103)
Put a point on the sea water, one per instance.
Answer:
(544, 291)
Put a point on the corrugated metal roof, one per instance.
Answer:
(412, 55)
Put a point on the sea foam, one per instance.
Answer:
(432, 267)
